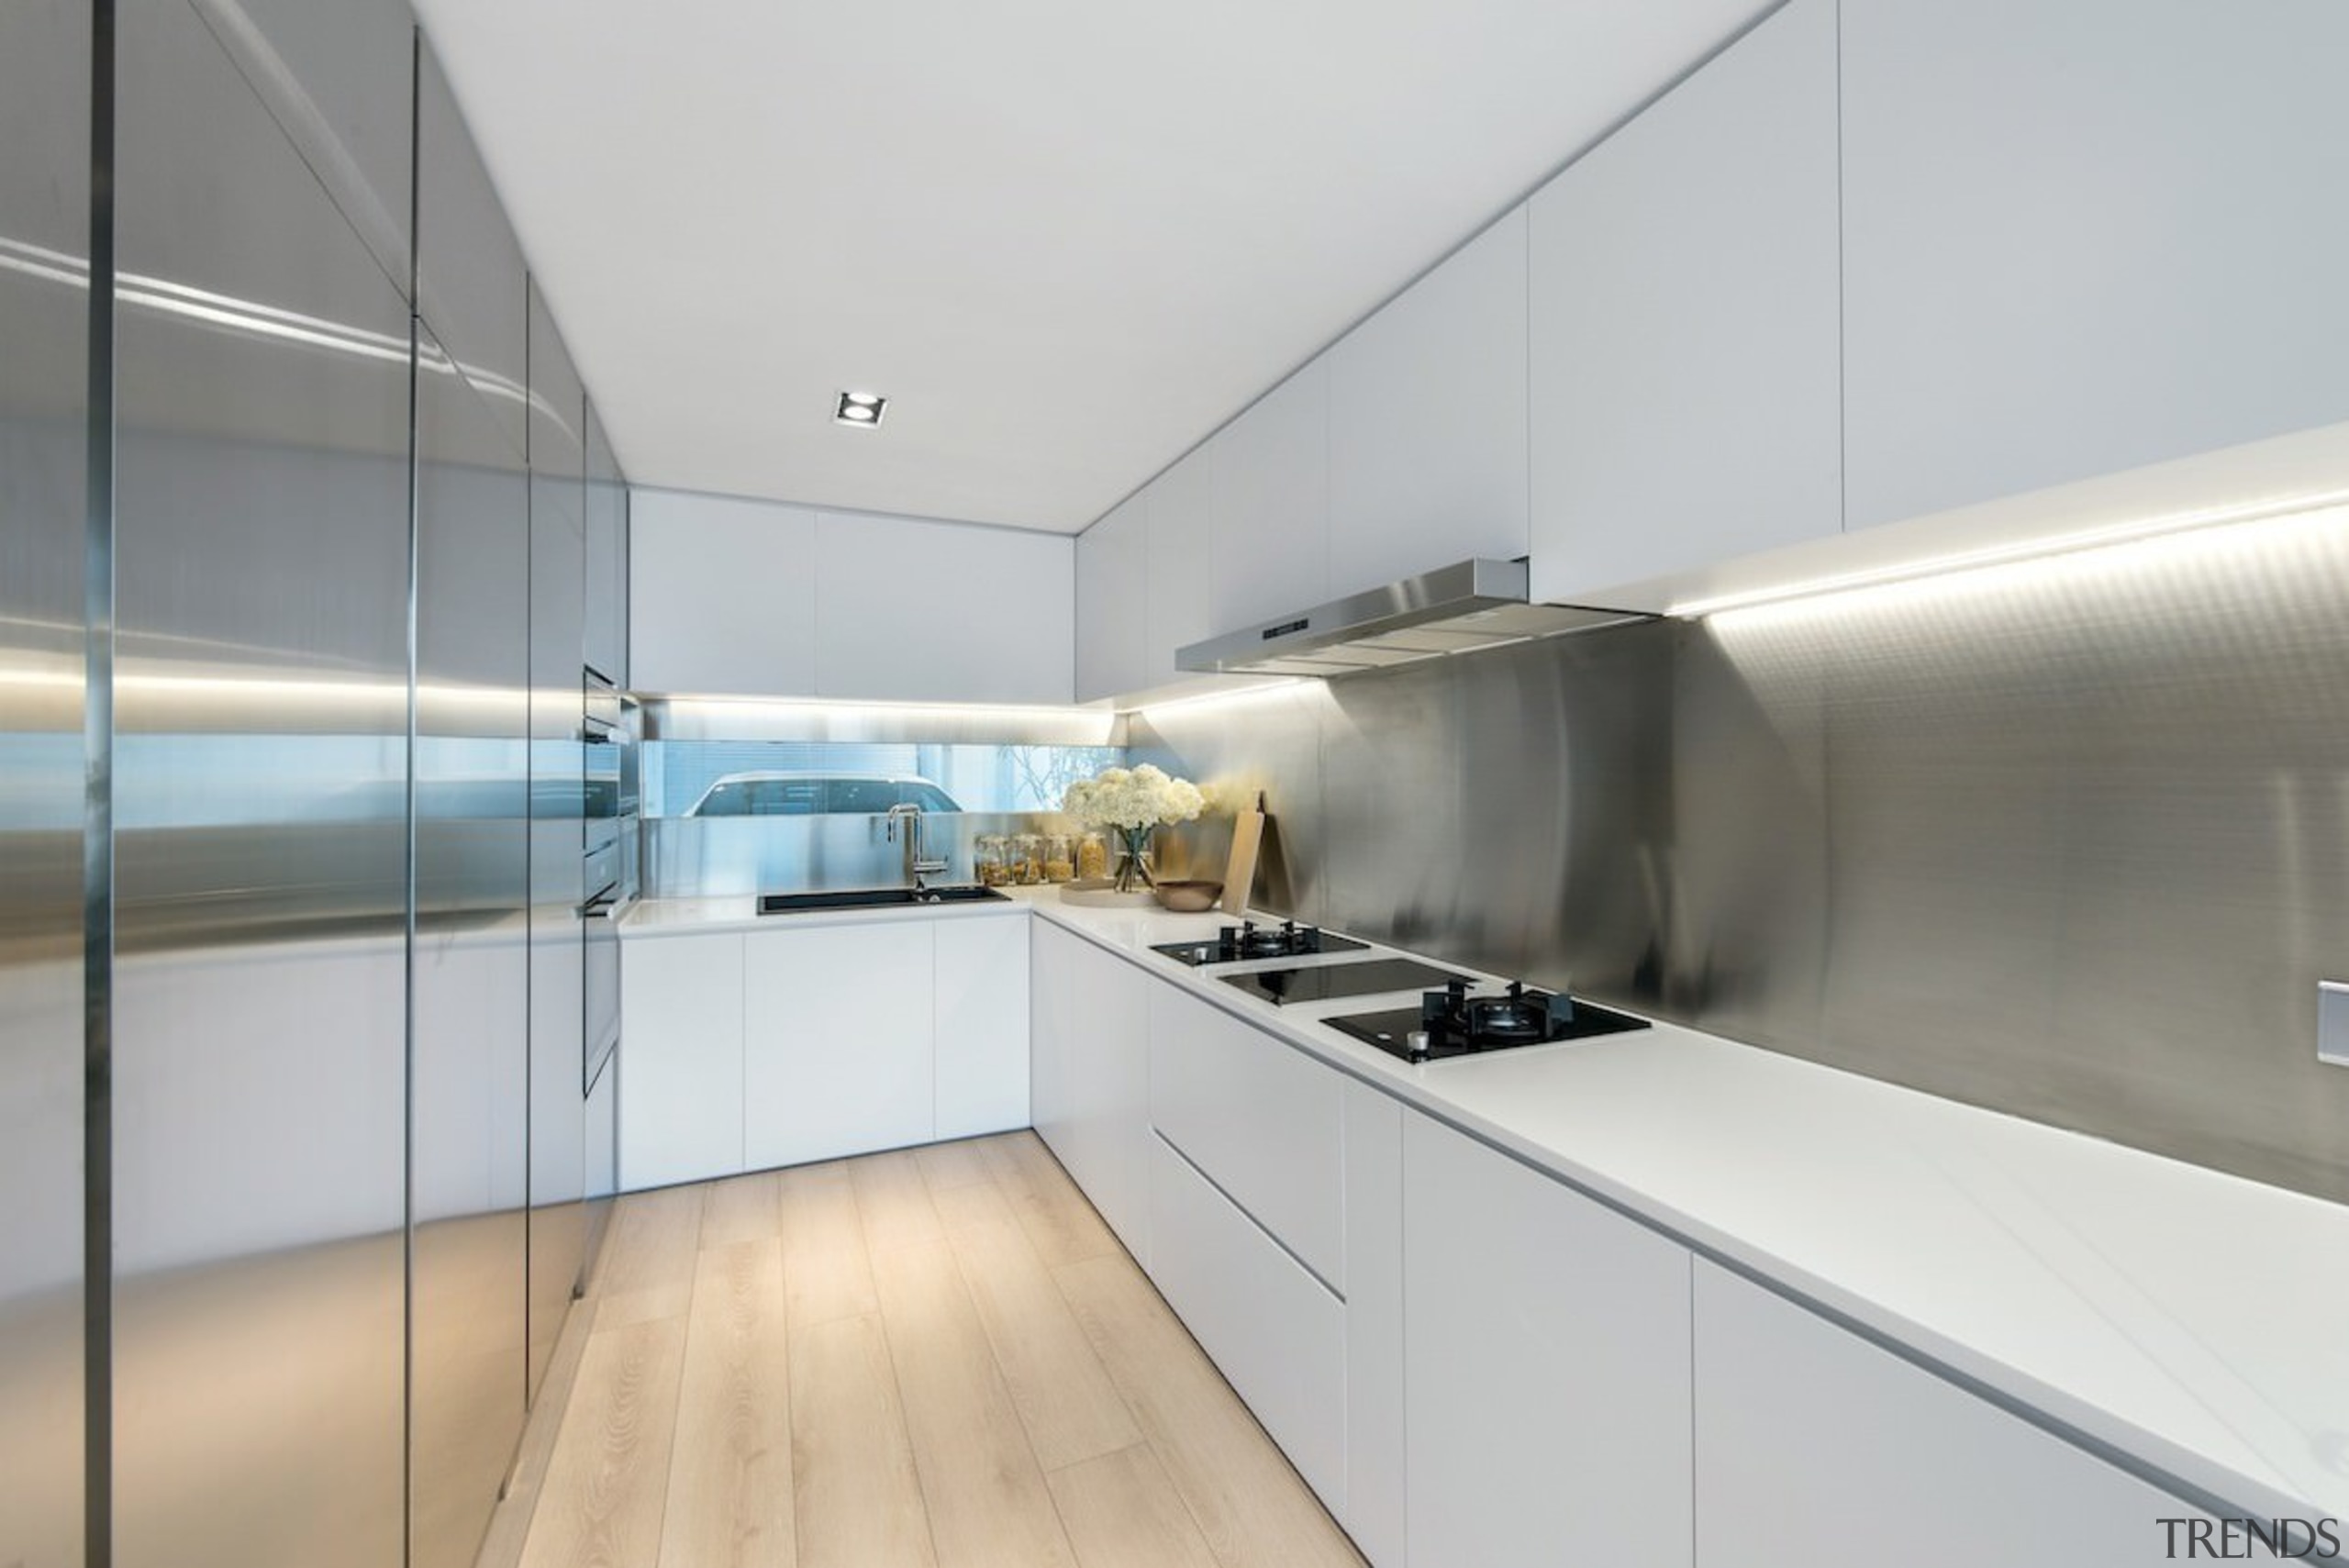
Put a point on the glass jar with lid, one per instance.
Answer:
(1060, 857)
(1093, 857)
(1028, 858)
(991, 859)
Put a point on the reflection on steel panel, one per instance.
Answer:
(558, 567)
(470, 976)
(260, 1059)
(44, 212)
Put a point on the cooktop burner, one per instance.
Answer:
(1362, 977)
(1237, 944)
(1451, 1022)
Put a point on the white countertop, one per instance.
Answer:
(685, 916)
(2195, 1319)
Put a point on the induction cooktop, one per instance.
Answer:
(1364, 977)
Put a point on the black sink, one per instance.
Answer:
(874, 899)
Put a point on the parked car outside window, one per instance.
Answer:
(814, 794)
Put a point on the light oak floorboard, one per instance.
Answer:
(1065, 1399)
(1061, 1225)
(825, 1275)
(600, 1506)
(858, 1497)
(509, 1525)
(649, 1273)
(894, 1201)
(730, 1469)
(947, 1166)
(1122, 1512)
(1251, 1507)
(741, 1209)
(988, 1503)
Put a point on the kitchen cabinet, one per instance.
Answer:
(721, 594)
(909, 610)
(980, 1026)
(1268, 551)
(1092, 1079)
(1375, 1458)
(2076, 234)
(1546, 1368)
(1112, 587)
(1686, 379)
(1051, 1024)
(1794, 1468)
(1276, 1332)
(1181, 539)
(607, 534)
(470, 286)
(1428, 420)
(1263, 1122)
(836, 1042)
(681, 1018)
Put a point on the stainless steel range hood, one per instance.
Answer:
(1456, 609)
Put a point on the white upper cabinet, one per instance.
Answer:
(942, 612)
(1684, 379)
(721, 594)
(760, 599)
(1182, 534)
(1112, 587)
(2081, 235)
(1271, 551)
(1427, 420)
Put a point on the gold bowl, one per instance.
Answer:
(1188, 897)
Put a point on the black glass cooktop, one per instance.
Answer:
(1451, 1023)
(1321, 982)
(1241, 943)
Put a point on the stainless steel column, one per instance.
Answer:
(44, 413)
(558, 568)
(260, 1044)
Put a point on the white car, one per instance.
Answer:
(813, 795)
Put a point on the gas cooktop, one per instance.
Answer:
(1360, 977)
(1238, 944)
(1451, 1022)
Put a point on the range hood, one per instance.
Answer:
(1456, 609)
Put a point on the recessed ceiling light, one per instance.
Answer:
(860, 410)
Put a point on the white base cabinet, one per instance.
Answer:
(1091, 1077)
(1547, 1369)
(750, 1050)
(1275, 1331)
(1817, 1450)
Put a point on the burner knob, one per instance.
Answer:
(1415, 1044)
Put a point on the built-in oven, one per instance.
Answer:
(600, 971)
(606, 765)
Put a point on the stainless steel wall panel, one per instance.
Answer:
(260, 1054)
(470, 284)
(2068, 839)
(558, 577)
(44, 321)
(470, 969)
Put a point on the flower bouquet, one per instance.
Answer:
(1133, 802)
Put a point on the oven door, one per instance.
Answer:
(600, 971)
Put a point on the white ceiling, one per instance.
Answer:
(1067, 238)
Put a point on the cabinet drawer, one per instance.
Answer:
(1277, 1336)
(1265, 1123)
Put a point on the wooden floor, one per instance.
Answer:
(938, 1356)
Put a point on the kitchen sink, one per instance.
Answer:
(875, 899)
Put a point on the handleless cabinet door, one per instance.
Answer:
(721, 595)
(681, 1029)
(1112, 591)
(912, 610)
(1177, 606)
(1270, 550)
(1685, 375)
(44, 322)
(471, 282)
(1814, 1449)
(607, 531)
(1427, 420)
(1546, 1368)
(981, 1012)
(838, 1024)
(2081, 235)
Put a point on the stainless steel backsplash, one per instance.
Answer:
(2069, 840)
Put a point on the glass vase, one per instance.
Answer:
(1133, 866)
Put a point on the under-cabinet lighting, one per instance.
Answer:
(2018, 552)
(1239, 698)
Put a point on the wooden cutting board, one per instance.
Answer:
(1239, 872)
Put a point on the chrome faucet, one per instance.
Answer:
(917, 861)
